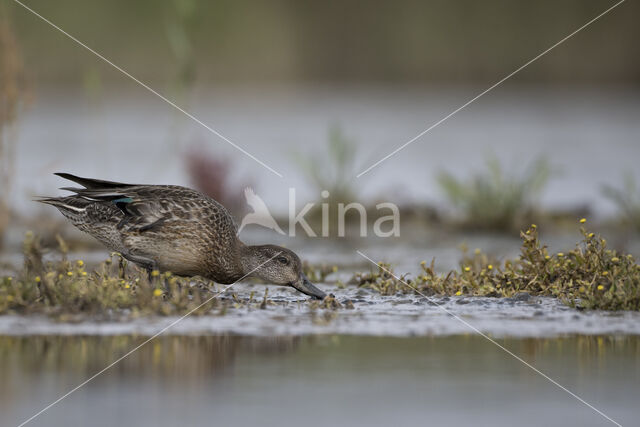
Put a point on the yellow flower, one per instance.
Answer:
(600, 287)
(38, 279)
(560, 254)
(84, 273)
(69, 273)
(9, 278)
(605, 273)
(423, 263)
(467, 269)
(547, 257)
(477, 251)
(490, 267)
(127, 286)
(458, 293)
(583, 220)
(155, 273)
(582, 289)
(590, 235)
(534, 226)
(157, 292)
(615, 259)
(80, 263)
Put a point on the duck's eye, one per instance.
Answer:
(282, 260)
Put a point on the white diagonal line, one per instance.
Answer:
(476, 330)
(85, 382)
(159, 95)
(499, 82)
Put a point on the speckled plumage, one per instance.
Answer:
(177, 229)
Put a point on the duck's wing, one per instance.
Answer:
(143, 206)
(92, 183)
(149, 207)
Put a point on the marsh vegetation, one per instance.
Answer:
(495, 198)
(590, 276)
(626, 197)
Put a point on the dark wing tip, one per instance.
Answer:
(72, 189)
(91, 183)
(85, 182)
(68, 176)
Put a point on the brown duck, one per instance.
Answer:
(176, 229)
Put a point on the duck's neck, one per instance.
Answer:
(249, 259)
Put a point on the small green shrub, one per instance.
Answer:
(495, 200)
(332, 170)
(331, 173)
(627, 199)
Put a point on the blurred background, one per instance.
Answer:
(319, 91)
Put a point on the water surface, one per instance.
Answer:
(318, 381)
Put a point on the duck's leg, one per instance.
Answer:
(147, 263)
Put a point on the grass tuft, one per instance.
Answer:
(496, 200)
(627, 199)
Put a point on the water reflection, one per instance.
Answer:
(370, 380)
(176, 358)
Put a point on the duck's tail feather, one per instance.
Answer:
(91, 183)
(71, 207)
(74, 204)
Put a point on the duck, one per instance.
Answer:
(171, 228)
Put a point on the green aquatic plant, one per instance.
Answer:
(384, 281)
(627, 199)
(591, 276)
(494, 199)
(318, 273)
(332, 170)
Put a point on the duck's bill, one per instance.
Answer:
(306, 287)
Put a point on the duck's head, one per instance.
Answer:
(280, 266)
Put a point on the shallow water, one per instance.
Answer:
(288, 314)
(319, 380)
